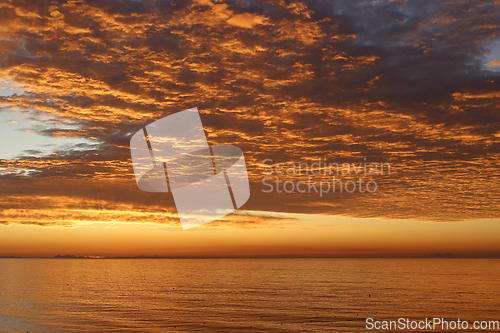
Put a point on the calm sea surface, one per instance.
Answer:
(240, 295)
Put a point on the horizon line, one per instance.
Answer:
(431, 256)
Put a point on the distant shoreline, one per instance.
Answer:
(432, 256)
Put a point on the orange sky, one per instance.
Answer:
(286, 81)
(303, 235)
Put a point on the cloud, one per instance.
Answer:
(390, 81)
(492, 63)
(246, 20)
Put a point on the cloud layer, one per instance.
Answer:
(399, 82)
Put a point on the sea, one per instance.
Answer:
(244, 295)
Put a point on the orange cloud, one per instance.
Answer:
(246, 20)
(492, 63)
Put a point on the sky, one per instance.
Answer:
(410, 84)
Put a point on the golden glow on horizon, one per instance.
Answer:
(305, 236)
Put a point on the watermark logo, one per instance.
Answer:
(172, 155)
(322, 177)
